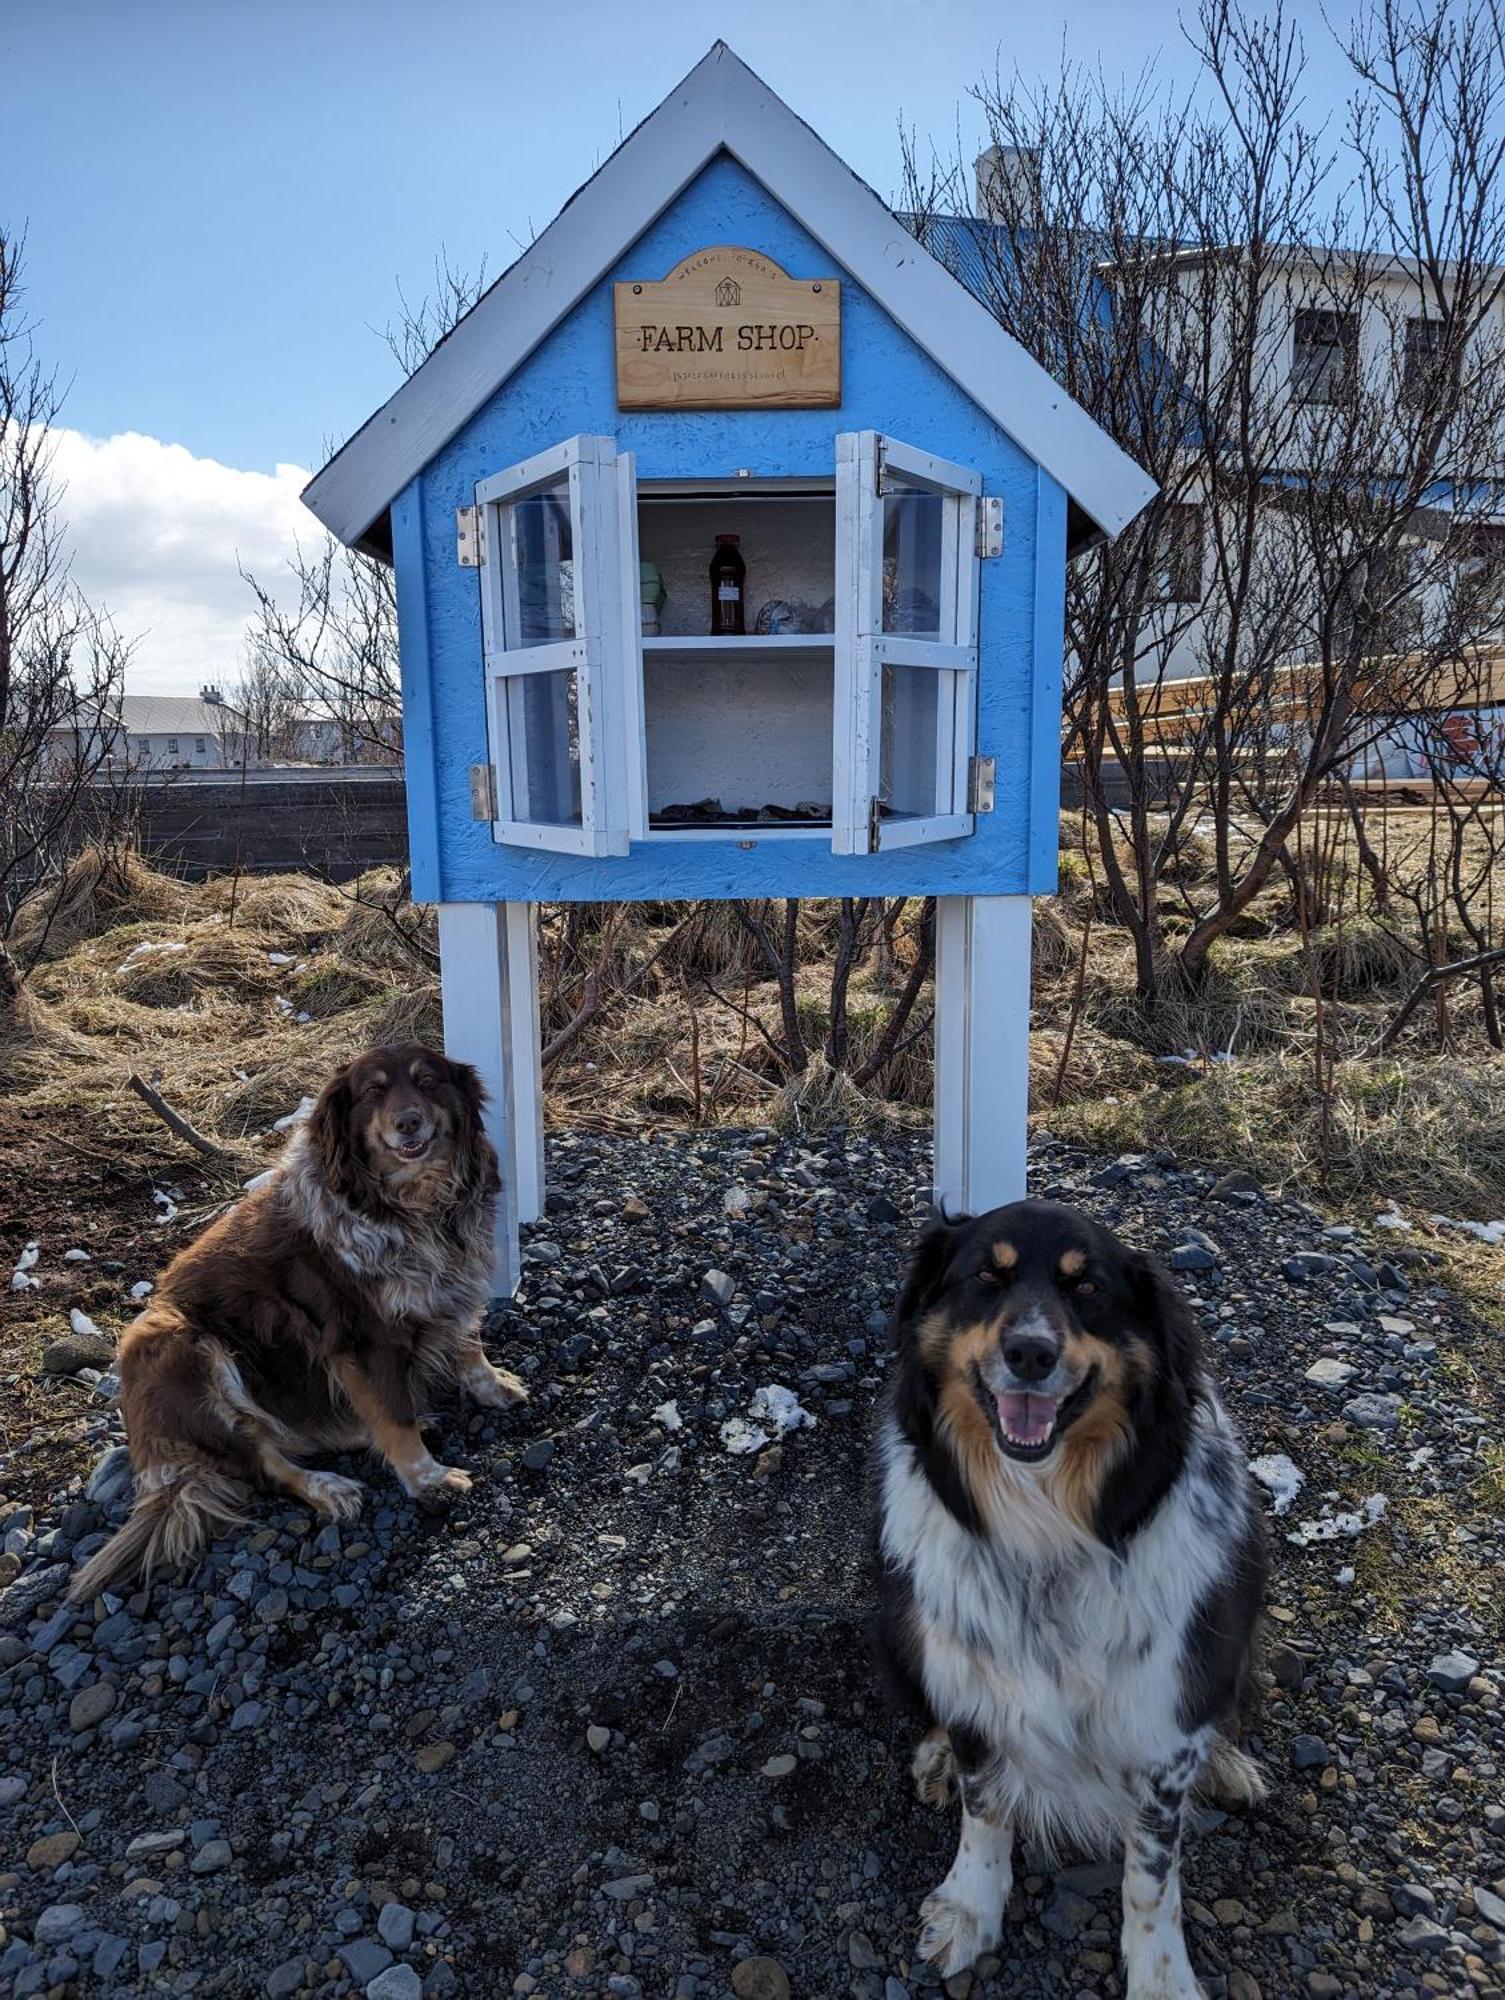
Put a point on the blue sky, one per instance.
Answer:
(223, 199)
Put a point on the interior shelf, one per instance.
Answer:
(742, 647)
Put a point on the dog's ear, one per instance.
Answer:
(331, 1133)
(478, 1161)
(1160, 1307)
(927, 1269)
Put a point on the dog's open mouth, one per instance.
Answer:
(412, 1149)
(1028, 1422)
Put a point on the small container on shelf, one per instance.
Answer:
(651, 592)
(728, 588)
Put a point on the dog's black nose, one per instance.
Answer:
(408, 1121)
(1030, 1355)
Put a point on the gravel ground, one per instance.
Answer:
(609, 1727)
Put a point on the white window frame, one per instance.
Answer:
(864, 649)
(604, 654)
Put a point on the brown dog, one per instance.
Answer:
(315, 1315)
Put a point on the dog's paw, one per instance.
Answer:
(439, 1485)
(952, 1936)
(335, 1495)
(495, 1387)
(1156, 1966)
(933, 1769)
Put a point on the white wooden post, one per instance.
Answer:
(524, 1065)
(982, 952)
(473, 978)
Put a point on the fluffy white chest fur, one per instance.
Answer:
(420, 1273)
(1065, 1656)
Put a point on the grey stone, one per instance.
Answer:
(1490, 1907)
(1192, 1257)
(1329, 1374)
(398, 1982)
(21, 1598)
(1413, 1899)
(718, 1288)
(1308, 1753)
(72, 1351)
(1374, 1411)
(1306, 1265)
(91, 1705)
(364, 1958)
(57, 1921)
(625, 1887)
(1423, 1936)
(1452, 1672)
(395, 1925)
(213, 1855)
(285, 1979)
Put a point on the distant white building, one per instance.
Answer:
(170, 732)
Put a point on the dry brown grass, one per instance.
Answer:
(1224, 1074)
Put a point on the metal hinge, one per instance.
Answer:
(990, 525)
(982, 781)
(483, 791)
(470, 537)
(874, 825)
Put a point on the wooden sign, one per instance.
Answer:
(728, 330)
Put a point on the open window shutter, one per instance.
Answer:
(906, 645)
(556, 642)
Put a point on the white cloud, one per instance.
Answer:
(157, 538)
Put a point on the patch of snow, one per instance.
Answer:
(739, 1436)
(279, 958)
(305, 1105)
(82, 1324)
(1492, 1233)
(1282, 1477)
(142, 1289)
(1390, 1220)
(147, 950)
(1330, 1527)
(259, 1180)
(668, 1415)
(20, 1278)
(780, 1407)
(167, 1205)
(77, 1257)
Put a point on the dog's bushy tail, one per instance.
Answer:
(183, 1508)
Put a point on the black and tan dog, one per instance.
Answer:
(316, 1315)
(1071, 1562)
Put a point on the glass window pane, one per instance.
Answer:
(912, 528)
(916, 714)
(540, 572)
(543, 738)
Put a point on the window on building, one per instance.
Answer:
(1178, 577)
(1425, 357)
(200, 745)
(172, 746)
(1325, 357)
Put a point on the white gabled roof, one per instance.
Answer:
(723, 106)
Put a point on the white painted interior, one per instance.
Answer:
(749, 730)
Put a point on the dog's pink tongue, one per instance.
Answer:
(1027, 1419)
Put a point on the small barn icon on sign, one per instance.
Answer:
(728, 293)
